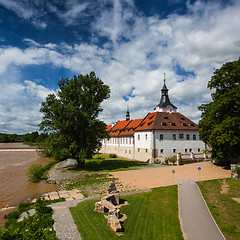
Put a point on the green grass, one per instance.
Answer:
(91, 185)
(224, 209)
(111, 165)
(152, 215)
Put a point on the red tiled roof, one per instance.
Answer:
(153, 121)
(130, 128)
(166, 121)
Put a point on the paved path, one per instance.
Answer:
(196, 220)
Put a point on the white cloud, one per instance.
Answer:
(20, 103)
(27, 10)
(139, 51)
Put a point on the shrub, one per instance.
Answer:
(33, 172)
(172, 159)
(238, 171)
(13, 215)
(113, 155)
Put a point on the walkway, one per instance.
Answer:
(196, 220)
(64, 224)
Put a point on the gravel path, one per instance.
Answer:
(64, 224)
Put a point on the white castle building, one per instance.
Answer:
(162, 133)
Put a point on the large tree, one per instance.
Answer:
(220, 123)
(71, 117)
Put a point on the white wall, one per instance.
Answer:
(168, 144)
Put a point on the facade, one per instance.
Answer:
(160, 134)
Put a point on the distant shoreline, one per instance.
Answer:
(18, 149)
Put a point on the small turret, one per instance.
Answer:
(165, 105)
(128, 115)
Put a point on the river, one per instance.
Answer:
(14, 185)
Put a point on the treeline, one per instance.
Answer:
(33, 137)
(9, 138)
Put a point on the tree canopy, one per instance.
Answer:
(220, 123)
(71, 117)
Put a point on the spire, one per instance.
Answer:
(127, 114)
(165, 105)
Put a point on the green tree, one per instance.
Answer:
(70, 117)
(220, 123)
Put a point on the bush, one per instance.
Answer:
(172, 159)
(13, 215)
(112, 155)
(33, 172)
(238, 171)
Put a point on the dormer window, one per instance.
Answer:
(165, 117)
(150, 123)
(182, 118)
(151, 117)
(173, 124)
(184, 124)
(164, 124)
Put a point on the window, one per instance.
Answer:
(126, 141)
(146, 150)
(185, 150)
(174, 150)
(174, 137)
(173, 124)
(161, 136)
(146, 136)
(129, 151)
(138, 136)
(194, 136)
(125, 151)
(190, 150)
(188, 137)
(165, 117)
(181, 135)
(161, 150)
(138, 149)
(164, 124)
(199, 150)
(129, 140)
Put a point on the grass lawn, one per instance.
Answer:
(111, 165)
(152, 215)
(224, 209)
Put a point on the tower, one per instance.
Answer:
(165, 105)
(128, 115)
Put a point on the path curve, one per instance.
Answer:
(196, 220)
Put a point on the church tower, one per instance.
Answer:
(165, 105)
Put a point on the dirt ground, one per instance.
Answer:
(163, 176)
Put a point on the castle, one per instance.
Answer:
(162, 133)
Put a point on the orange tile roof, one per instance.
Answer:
(166, 121)
(153, 121)
(130, 128)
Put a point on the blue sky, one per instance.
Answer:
(129, 44)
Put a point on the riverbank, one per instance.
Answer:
(14, 185)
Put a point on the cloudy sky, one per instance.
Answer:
(129, 44)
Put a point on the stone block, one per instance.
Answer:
(114, 223)
(108, 205)
(99, 207)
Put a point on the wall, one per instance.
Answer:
(167, 145)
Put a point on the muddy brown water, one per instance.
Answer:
(14, 185)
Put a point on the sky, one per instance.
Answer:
(129, 44)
